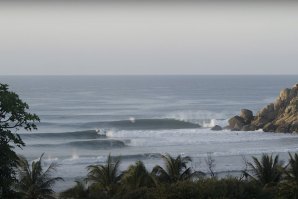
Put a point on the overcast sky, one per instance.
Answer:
(142, 38)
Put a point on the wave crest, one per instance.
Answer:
(88, 144)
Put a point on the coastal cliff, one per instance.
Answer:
(280, 116)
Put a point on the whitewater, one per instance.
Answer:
(86, 118)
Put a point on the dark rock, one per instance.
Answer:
(294, 127)
(269, 127)
(280, 116)
(236, 122)
(235, 129)
(284, 94)
(216, 128)
(267, 114)
(285, 128)
(247, 115)
(249, 127)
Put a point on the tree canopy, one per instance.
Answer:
(14, 116)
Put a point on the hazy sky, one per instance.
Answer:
(142, 38)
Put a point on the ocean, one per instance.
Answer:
(86, 118)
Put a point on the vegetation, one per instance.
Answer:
(176, 169)
(80, 190)
(17, 178)
(267, 178)
(14, 116)
(105, 177)
(289, 186)
(34, 181)
(137, 176)
(267, 171)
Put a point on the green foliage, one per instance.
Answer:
(34, 182)
(105, 177)
(230, 188)
(265, 182)
(13, 116)
(289, 187)
(267, 171)
(8, 164)
(137, 176)
(138, 193)
(292, 170)
(81, 190)
(175, 170)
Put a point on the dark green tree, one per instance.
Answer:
(267, 171)
(137, 176)
(80, 190)
(292, 169)
(105, 177)
(14, 116)
(176, 169)
(289, 187)
(33, 181)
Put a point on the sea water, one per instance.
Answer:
(86, 118)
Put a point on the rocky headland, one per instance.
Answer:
(280, 116)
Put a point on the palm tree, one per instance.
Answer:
(137, 176)
(292, 169)
(289, 186)
(175, 169)
(106, 177)
(267, 171)
(34, 182)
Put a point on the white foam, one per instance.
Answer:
(209, 124)
(110, 133)
(196, 116)
(132, 119)
(74, 155)
(214, 122)
(84, 160)
(192, 136)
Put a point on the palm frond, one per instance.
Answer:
(34, 182)
(267, 171)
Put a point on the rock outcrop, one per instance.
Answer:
(280, 116)
(216, 128)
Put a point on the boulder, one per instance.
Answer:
(249, 127)
(284, 94)
(294, 127)
(247, 115)
(284, 128)
(269, 127)
(280, 116)
(268, 113)
(236, 122)
(216, 128)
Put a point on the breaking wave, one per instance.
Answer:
(143, 124)
(89, 134)
(130, 124)
(88, 144)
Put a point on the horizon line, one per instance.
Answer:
(148, 75)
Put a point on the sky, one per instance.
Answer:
(161, 37)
